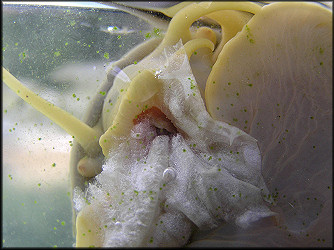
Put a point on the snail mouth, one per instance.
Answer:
(152, 123)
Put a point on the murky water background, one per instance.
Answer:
(60, 53)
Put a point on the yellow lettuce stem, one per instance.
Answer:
(86, 136)
(191, 46)
(181, 22)
(171, 11)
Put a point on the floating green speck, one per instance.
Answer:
(56, 54)
(321, 50)
(156, 31)
(106, 55)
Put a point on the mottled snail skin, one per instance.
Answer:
(284, 100)
(206, 171)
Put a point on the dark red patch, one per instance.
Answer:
(157, 118)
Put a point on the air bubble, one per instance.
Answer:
(118, 224)
(169, 174)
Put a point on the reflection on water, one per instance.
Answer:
(60, 53)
